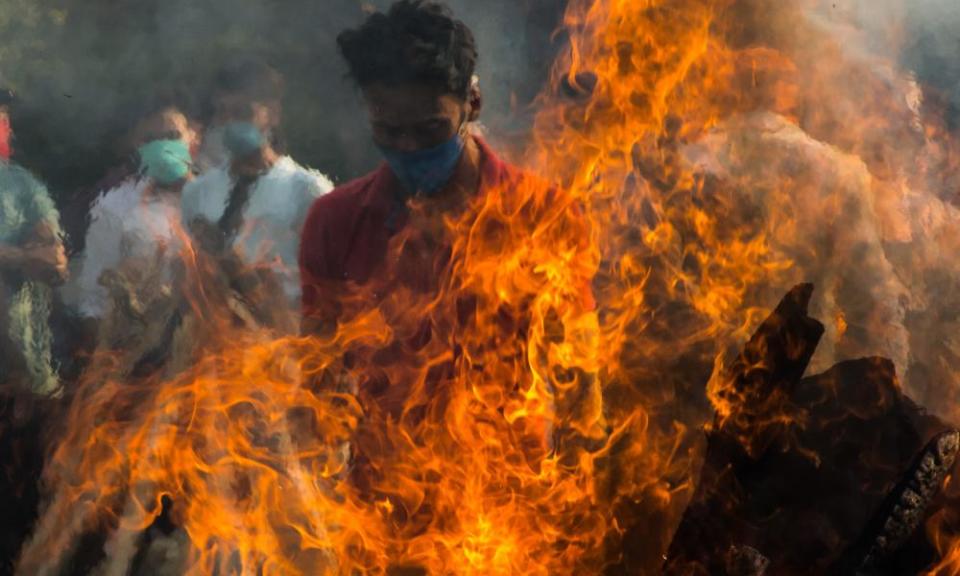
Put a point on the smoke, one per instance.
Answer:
(851, 167)
(836, 166)
(933, 47)
(84, 69)
(912, 196)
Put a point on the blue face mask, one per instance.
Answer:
(165, 161)
(242, 139)
(425, 171)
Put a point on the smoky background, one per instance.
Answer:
(84, 70)
(933, 49)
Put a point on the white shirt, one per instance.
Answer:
(212, 152)
(125, 222)
(272, 218)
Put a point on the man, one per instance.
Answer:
(136, 221)
(380, 238)
(254, 203)
(420, 112)
(32, 259)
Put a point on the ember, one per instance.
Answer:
(582, 370)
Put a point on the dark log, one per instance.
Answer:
(797, 467)
(757, 384)
(904, 510)
(746, 561)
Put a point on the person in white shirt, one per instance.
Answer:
(137, 221)
(256, 198)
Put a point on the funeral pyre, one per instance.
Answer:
(572, 394)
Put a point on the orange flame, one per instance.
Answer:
(541, 378)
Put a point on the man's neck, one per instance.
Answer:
(156, 190)
(174, 188)
(466, 178)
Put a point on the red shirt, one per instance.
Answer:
(357, 237)
(347, 231)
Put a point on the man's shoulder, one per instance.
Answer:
(17, 179)
(344, 200)
(309, 179)
(330, 223)
(118, 198)
(498, 171)
(203, 195)
(214, 177)
(27, 192)
(355, 190)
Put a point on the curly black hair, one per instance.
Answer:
(416, 41)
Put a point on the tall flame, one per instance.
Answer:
(539, 381)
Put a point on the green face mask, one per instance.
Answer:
(165, 161)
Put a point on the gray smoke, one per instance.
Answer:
(84, 69)
(924, 35)
(932, 48)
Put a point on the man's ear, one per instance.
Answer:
(475, 100)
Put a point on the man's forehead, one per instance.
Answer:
(242, 103)
(162, 124)
(166, 119)
(408, 102)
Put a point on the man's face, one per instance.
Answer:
(240, 107)
(414, 117)
(170, 124)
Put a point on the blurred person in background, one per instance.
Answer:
(32, 261)
(123, 282)
(253, 204)
(138, 218)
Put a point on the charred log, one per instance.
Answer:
(903, 512)
(797, 467)
(746, 561)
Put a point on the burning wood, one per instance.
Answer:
(521, 391)
(904, 509)
(796, 466)
(745, 561)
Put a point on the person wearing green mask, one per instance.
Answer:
(32, 260)
(253, 198)
(135, 222)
